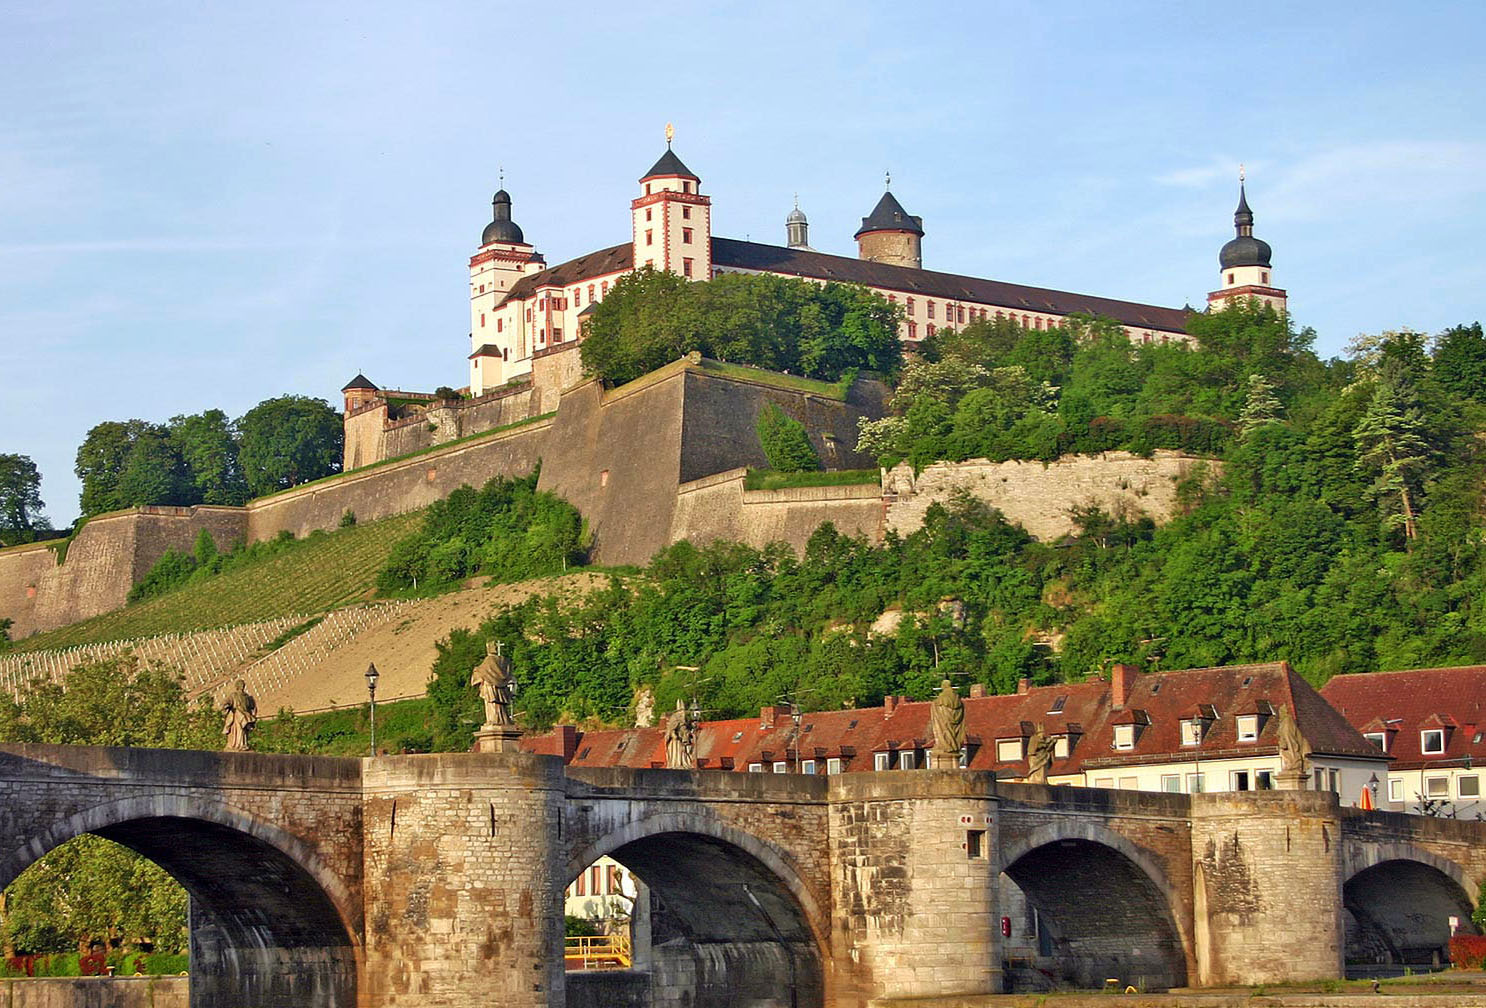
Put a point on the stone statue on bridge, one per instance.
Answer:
(497, 687)
(681, 742)
(242, 715)
(947, 717)
(1295, 753)
(1040, 750)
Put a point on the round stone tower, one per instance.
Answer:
(890, 234)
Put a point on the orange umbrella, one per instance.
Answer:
(1366, 802)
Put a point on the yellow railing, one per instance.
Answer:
(596, 952)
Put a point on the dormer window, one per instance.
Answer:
(1009, 750)
(1248, 727)
(1060, 747)
(1191, 732)
(1377, 738)
(1124, 736)
(1432, 741)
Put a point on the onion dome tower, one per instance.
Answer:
(672, 220)
(1244, 262)
(503, 258)
(797, 228)
(890, 234)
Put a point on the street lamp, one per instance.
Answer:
(1372, 785)
(371, 691)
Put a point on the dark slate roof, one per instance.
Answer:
(729, 252)
(359, 382)
(1245, 250)
(600, 263)
(1402, 704)
(889, 215)
(501, 228)
(669, 164)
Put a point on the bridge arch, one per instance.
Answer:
(1398, 899)
(728, 911)
(270, 922)
(1105, 907)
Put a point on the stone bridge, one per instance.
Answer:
(438, 880)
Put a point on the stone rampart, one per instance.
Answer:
(96, 992)
(1040, 496)
(719, 507)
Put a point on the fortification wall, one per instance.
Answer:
(107, 557)
(1040, 496)
(96, 992)
(372, 437)
(554, 371)
(399, 486)
(718, 507)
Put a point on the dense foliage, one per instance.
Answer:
(21, 519)
(785, 442)
(507, 529)
(176, 569)
(652, 318)
(1340, 527)
(89, 888)
(207, 459)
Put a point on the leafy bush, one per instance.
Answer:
(786, 444)
(506, 529)
(1468, 951)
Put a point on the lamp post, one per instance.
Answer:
(371, 691)
(1372, 785)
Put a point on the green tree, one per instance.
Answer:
(1391, 443)
(1460, 361)
(785, 442)
(1260, 406)
(207, 445)
(101, 460)
(20, 499)
(288, 441)
(155, 472)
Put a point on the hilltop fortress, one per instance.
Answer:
(664, 457)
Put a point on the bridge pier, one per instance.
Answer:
(1267, 881)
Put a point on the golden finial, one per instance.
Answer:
(670, 134)
(1240, 173)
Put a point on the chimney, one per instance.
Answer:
(1121, 680)
(889, 704)
(1022, 685)
(977, 690)
(567, 742)
(766, 716)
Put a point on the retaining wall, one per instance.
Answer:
(95, 992)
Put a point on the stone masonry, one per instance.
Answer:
(438, 880)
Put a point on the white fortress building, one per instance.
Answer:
(521, 309)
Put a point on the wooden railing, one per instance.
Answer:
(598, 952)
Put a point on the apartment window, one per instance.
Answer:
(909, 303)
(913, 330)
(686, 213)
(1336, 780)
(1060, 747)
(1239, 780)
(1248, 727)
(686, 268)
(1432, 741)
(931, 329)
(881, 760)
(961, 314)
(833, 765)
(649, 236)
(1379, 739)
(1008, 750)
(1129, 783)
(1124, 736)
(1264, 780)
(1395, 789)
(590, 293)
(1194, 783)
(1436, 787)
(577, 297)
(1104, 782)
(755, 768)
(1171, 782)
(1468, 787)
(779, 767)
(686, 235)
(929, 305)
(807, 766)
(1191, 732)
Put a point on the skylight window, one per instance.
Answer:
(1057, 707)
(737, 736)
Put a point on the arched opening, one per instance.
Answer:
(1398, 917)
(263, 929)
(713, 926)
(1080, 913)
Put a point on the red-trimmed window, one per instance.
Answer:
(648, 212)
(686, 235)
(686, 213)
(606, 288)
(577, 297)
(590, 293)
(649, 237)
(482, 320)
(930, 306)
(962, 314)
(910, 306)
(913, 330)
(686, 268)
(931, 329)
(500, 324)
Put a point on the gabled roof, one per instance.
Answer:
(731, 253)
(669, 164)
(1403, 704)
(889, 215)
(604, 262)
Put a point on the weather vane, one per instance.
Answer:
(1240, 173)
(503, 176)
(670, 134)
(887, 179)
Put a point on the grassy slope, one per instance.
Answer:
(318, 573)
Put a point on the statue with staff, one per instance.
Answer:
(1041, 748)
(242, 715)
(947, 717)
(496, 685)
(680, 740)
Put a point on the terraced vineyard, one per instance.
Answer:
(319, 573)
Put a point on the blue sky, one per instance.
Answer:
(208, 205)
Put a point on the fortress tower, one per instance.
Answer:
(504, 257)
(890, 234)
(1244, 262)
(672, 220)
